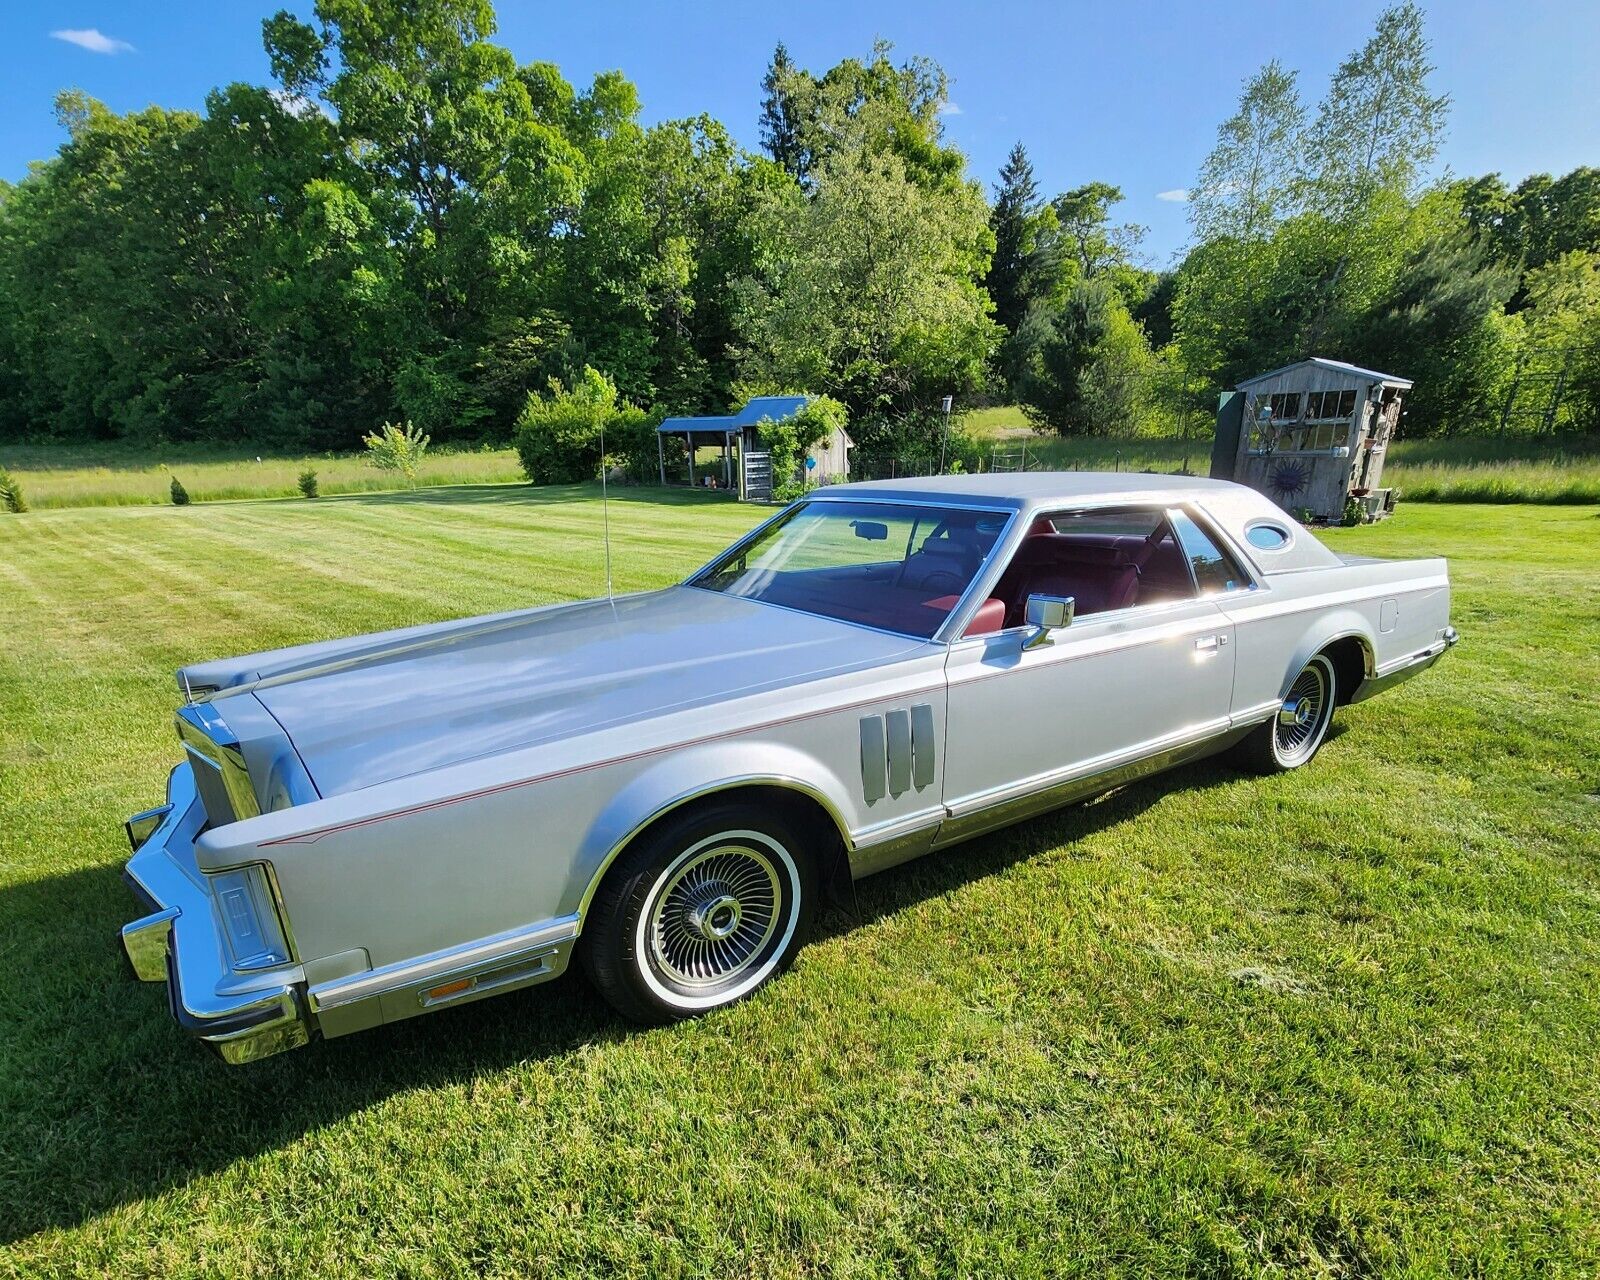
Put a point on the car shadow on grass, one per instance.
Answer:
(108, 1103)
(948, 869)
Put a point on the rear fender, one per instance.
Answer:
(1325, 630)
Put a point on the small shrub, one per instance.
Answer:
(1354, 512)
(180, 495)
(308, 483)
(397, 447)
(11, 498)
(558, 434)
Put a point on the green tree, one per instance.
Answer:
(1247, 187)
(780, 114)
(470, 178)
(873, 103)
(1247, 184)
(1023, 225)
(558, 435)
(1288, 260)
(1563, 332)
(1088, 237)
(1088, 367)
(873, 293)
(1443, 325)
(1375, 134)
(663, 230)
(1539, 221)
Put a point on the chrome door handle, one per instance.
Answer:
(1206, 642)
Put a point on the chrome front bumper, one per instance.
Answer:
(245, 1016)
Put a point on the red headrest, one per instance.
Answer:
(1040, 528)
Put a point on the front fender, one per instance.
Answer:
(688, 775)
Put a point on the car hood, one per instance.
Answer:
(372, 709)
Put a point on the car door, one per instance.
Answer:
(1130, 680)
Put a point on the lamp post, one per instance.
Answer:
(944, 439)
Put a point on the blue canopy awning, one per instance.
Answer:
(711, 425)
(773, 408)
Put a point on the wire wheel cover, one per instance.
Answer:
(1304, 715)
(714, 915)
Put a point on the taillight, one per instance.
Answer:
(249, 918)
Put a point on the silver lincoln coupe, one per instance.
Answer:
(660, 784)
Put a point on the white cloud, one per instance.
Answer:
(949, 108)
(92, 40)
(1178, 195)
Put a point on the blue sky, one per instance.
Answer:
(1129, 93)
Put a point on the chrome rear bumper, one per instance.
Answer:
(245, 1016)
(1403, 669)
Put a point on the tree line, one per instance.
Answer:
(410, 225)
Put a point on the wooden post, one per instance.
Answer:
(689, 436)
(661, 459)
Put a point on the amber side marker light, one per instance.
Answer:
(448, 989)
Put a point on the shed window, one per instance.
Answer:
(1285, 406)
(1330, 405)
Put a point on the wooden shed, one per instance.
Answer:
(1311, 436)
(743, 455)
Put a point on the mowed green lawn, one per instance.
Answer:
(1341, 1022)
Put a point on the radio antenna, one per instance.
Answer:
(605, 507)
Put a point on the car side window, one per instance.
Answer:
(1214, 570)
(1104, 559)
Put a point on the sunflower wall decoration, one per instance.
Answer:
(1291, 479)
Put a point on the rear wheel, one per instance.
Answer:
(699, 913)
(1296, 732)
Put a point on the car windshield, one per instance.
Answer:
(895, 566)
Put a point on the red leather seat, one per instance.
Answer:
(1098, 577)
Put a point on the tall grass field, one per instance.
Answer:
(1544, 469)
(1341, 1022)
(113, 476)
(1562, 469)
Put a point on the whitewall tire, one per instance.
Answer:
(1299, 727)
(699, 912)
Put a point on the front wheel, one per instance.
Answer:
(699, 913)
(1297, 730)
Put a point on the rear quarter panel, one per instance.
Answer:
(1395, 608)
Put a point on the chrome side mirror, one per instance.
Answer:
(1046, 614)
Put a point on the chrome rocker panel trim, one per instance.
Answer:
(487, 966)
(243, 1016)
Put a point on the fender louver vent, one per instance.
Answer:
(897, 752)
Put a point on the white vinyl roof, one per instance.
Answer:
(1233, 506)
(1024, 488)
